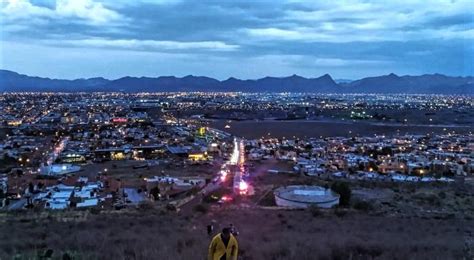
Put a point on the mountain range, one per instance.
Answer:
(424, 84)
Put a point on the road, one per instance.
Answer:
(239, 185)
(57, 151)
(235, 158)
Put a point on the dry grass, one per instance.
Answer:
(264, 234)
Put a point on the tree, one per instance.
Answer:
(387, 151)
(8, 160)
(155, 192)
(31, 187)
(73, 200)
(129, 139)
(19, 172)
(344, 192)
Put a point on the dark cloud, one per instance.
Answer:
(463, 19)
(351, 39)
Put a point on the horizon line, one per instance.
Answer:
(232, 77)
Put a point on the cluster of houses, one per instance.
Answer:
(404, 158)
(133, 135)
(47, 140)
(77, 191)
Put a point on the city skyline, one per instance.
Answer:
(82, 39)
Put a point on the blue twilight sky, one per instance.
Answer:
(246, 39)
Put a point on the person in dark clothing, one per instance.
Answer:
(210, 228)
(233, 230)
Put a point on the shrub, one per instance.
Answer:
(94, 211)
(201, 208)
(363, 205)
(314, 210)
(442, 195)
(171, 207)
(146, 205)
(428, 198)
(340, 212)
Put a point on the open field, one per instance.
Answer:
(385, 198)
(125, 169)
(302, 128)
(461, 116)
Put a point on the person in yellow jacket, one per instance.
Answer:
(223, 246)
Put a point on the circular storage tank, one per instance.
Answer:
(302, 196)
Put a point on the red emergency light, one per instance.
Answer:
(119, 120)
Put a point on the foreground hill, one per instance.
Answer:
(429, 84)
(154, 234)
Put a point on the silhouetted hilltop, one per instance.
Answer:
(429, 83)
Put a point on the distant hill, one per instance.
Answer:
(12, 81)
(428, 83)
(345, 81)
(431, 84)
(293, 83)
